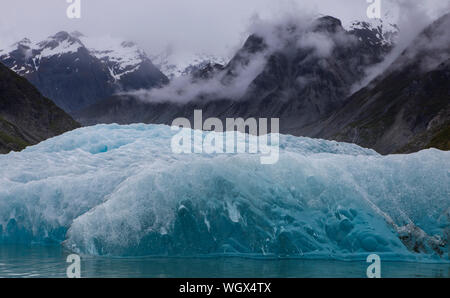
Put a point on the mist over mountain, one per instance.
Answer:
(175, 63)
(405, 109)
(304, 71)
(76, 71)
(306, 74)
(299, 70)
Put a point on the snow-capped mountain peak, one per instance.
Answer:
(75, 70)
(376, 31)
(58, 44)
(24, 42)
(25, 55)
(122, 57)
(176, 64)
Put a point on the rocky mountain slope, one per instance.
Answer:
(298, 73)
(306, 83)
(405, 109)
(77, 71)
(27, 117)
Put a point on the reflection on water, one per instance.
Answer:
(38, 261)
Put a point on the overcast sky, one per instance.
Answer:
(211, 25)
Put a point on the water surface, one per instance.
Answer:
(50, 261)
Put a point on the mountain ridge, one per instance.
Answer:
(273, 75)
(76, 71)
(26, 117)
(405, 109)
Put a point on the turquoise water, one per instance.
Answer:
(38, 261)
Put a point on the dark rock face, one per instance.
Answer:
(75, 76)
(407, 108)
(26, 117)
(297, 81)
(328, 24)
(144, 77)
(402, 113)
(72, 86)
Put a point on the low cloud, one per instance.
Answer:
(412, 17)
(186, 88)
(290, 32)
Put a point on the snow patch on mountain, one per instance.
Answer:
(182, 63)
(120, 57)
(64, 47)
(381, 32)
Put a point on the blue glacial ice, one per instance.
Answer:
(120, 191)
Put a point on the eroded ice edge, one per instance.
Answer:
(120, 191)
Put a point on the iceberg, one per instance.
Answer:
(118, 190)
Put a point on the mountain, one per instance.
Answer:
(298, 73)
(27, 117)
(307, 84)
(405, 109)
(77, 71)
(376, 32)
(175, 64)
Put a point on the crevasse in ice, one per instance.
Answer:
(120, 191)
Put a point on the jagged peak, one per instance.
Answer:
(24, 44)
(60, 43)
(376, 24)
(175, 63)
(120, 56)
(376, 31)
(328, 24)
(24, 41)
